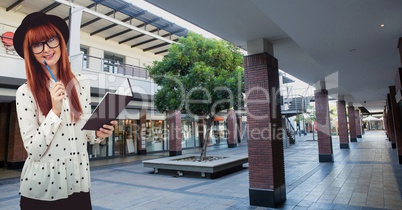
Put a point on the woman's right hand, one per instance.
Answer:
(57, 93)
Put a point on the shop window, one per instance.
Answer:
(156, 135)
(125, 137)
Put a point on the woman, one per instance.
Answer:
(52, 107)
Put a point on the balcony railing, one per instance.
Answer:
(105, 65)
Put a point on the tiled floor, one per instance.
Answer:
(366, 176)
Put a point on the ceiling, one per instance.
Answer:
(339, 42)
(155, 34)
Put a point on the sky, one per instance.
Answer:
(170, 17)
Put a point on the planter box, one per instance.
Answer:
(209, 169)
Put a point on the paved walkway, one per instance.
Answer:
(366, 176)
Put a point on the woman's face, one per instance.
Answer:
(51, 51)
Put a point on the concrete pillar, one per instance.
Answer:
(396, 114)
(74, 43)
(142, 140)
(342, 125)
(352, 123)
(391, 121)
(264, 131)
(232, 129)
(325, 152)
(358, 124)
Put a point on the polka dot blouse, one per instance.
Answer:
(57, 163)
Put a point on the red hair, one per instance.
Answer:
(38, 80)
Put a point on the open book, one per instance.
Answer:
(111, 105)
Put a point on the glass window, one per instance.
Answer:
(125, 138)
(112, 62)
(189, 129)
(155, 135)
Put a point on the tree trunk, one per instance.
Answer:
(207, 137)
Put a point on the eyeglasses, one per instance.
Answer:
(40, 46)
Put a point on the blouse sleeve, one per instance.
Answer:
(35, 136)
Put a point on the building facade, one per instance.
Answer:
(107, 49)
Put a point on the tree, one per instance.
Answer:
(200, 77)
(311, 119)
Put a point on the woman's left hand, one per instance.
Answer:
(106, 130)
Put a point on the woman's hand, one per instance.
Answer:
(106, 130)
(57, 93)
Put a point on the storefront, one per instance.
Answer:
(157, 135)
(124, 141)
(219, 131)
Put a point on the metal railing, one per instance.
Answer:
(105, 65)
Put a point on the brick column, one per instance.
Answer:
(325, 152)
(391, 122)
(16, 151)
(358, 124)
(342, 125)
(232, 129)
(264, 132)
(175, 135)
(398, 100)
(397, 123)
(352, 124)
(385, 121)
(142, 140)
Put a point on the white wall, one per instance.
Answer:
(134, 56)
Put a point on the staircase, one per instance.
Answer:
(294, 106)
(290, 136)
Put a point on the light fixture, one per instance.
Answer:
(352, 50)
(382, 25)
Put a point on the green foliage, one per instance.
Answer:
(311, 114)
(199, 76)
(299, 118)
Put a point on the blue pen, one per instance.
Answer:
(50, 71)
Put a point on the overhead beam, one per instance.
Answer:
(109, 27)
(157, 46)
(89, 7)
(118, 34)
(144, 42)
(162, 51)
(71, 4)
(95, 20)
(14, 5)
(141, 35)
(50, 7)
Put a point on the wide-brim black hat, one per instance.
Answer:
(37, 19)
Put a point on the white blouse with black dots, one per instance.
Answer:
(57, 163)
